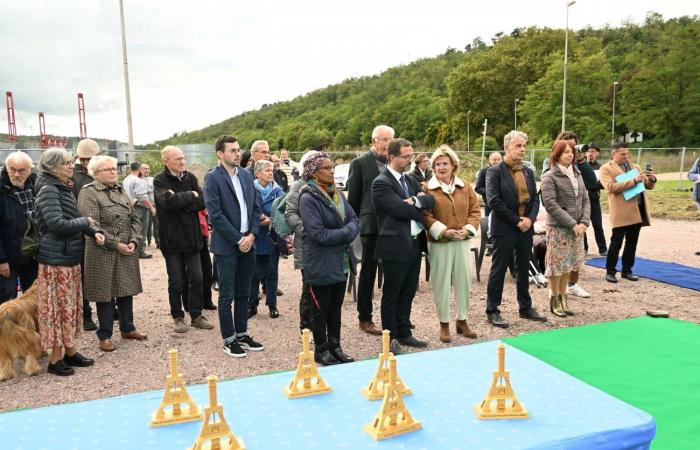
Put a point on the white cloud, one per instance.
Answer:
(196, 63)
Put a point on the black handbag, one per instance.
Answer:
(30, 241)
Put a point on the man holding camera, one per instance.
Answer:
(626, 216)
(594, 197)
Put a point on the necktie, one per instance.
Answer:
(404, 186)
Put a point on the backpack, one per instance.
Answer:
(278, 222)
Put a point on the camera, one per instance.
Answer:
(648, 167)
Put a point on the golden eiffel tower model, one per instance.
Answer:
(501, 391)
(393, 418)
(306, 380)
(215, 428)
(175, 395)
(375, 389)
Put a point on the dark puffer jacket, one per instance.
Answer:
(60, 223)
(13, 223)
(326, 238)
(178, 212)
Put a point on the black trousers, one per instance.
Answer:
(306, 305)
(105, 317)
(207, 279)
(503, 248)
(400, 283)
(597, 222)
(630, 234)
(368, 275)
(183, 267)
(327, 306)
(87, 310)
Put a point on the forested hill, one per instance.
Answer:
(657, 65)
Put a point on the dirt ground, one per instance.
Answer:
(141, 366)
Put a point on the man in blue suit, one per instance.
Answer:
(234, 213)
(400, 231)
(511, 193)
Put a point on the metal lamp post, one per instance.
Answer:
(126, 78)
(612, 130)
(566, 52)
(515, 115)
(469, 113)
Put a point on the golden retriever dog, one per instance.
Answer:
(18, 334)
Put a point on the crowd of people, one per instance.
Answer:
(94, 230)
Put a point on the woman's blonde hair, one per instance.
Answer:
(445, 150)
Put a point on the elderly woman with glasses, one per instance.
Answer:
(330, 225)
(61, 226)
(111, 269)
(451, 223)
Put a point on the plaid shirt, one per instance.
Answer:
(26, 198)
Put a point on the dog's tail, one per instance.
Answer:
(16, 338)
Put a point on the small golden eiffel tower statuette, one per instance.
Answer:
(393, 418)
(215, 433)
(175, 395)
(375, 389)
(501, 392)
(306, 380)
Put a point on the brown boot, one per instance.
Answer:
(445, 332)
(464, 330)
(565, 305)
(370, 328)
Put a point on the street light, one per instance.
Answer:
(566, 52)
(515, 116)
(469, 113)
(612, 131)
(126, 78)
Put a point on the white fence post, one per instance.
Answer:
(680, 173)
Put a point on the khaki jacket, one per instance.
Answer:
(108, 273)
(451, 212)
(624, 213)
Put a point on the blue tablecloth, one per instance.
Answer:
(564, 412)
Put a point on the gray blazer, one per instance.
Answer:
(564, 208)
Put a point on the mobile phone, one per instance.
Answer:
(648, 167)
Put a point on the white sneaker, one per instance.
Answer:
(578, 291)
(542, 279)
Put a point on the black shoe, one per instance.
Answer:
(60, 368)
(629, 276)
(247, 343)
(395, 347)
(274, 313)
(215, 286)
(411, 341)
(531, 314)
(279, 293)
(252, 312)
(340, 354)
(611, 278)
(78, 360)
(146, 256)
(210, 307)
(496, 320)
(325, 358)
(89, 325)
(234, 350)
(603, 253)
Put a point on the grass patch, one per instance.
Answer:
(666, 201)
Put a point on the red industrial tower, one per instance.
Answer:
(81, 116)
(43, 139)
(12, 128)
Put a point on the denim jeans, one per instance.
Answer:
(267, 265)
(181, 267)
(235, 271)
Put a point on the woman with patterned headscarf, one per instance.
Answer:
(330, 225)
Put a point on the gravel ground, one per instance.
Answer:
(141, 366)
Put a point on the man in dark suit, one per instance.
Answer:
(400, 223)
(511, 194)
(363, 171)
(234, 213)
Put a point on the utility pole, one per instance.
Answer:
(566, 53)
(469, 113)
(612, 131)
(126, 79)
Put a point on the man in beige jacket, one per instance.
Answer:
(627, 217)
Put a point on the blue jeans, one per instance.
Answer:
(267, 265)
(234, 271)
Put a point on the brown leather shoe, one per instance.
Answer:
(464, 330)
(370, 328)
(134, 335)
(107, 345)
(445, 332)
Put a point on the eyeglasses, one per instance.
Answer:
(110, 169)
(325, 168)
(68, 163)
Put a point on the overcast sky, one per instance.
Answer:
(195, 63)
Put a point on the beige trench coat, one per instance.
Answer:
(108, 273)
(624, 212)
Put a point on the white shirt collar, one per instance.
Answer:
(394, 173)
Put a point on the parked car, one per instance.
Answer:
(341, 175)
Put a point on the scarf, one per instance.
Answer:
(569, 172)
(516, 170)
(266, 191)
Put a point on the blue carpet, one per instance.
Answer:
(665, 272)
